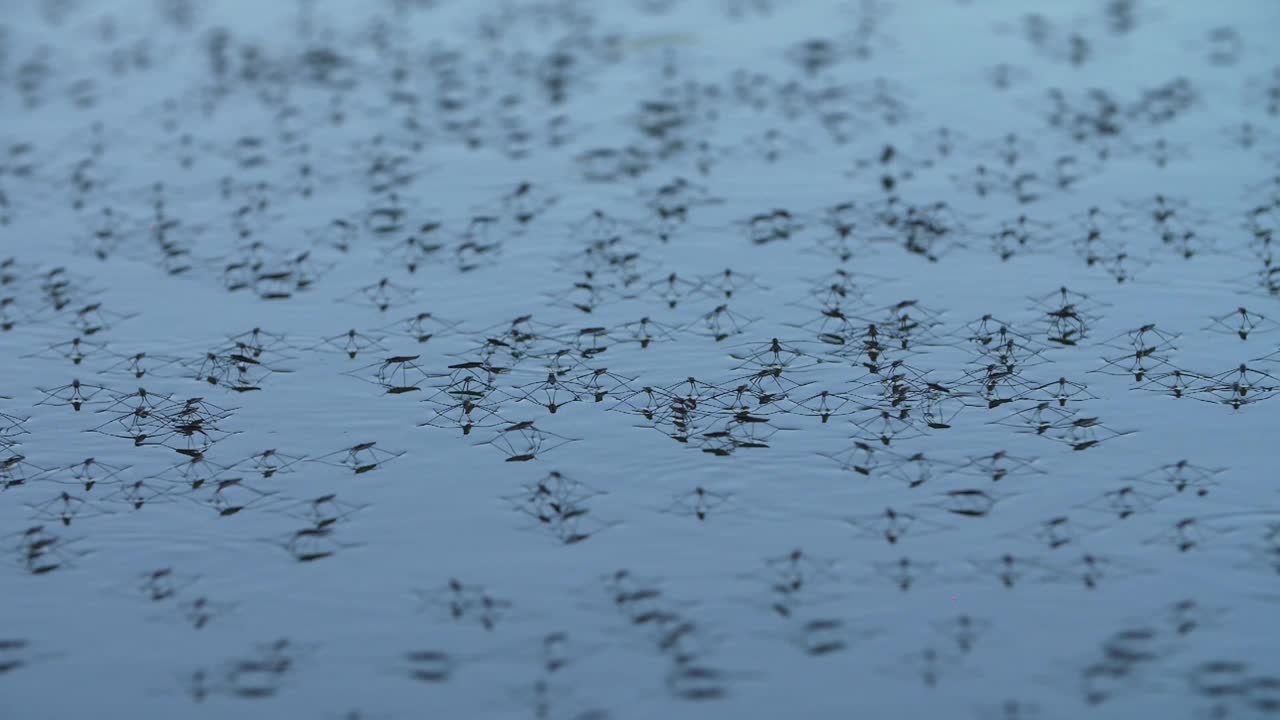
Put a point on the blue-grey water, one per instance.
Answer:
(576, 360)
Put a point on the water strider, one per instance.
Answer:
(891, 249)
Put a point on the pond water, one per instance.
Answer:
(662, 358)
